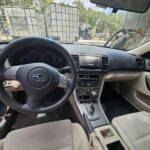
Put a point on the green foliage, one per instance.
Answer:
(45, 3)
(109, 22)
(92, 17)
(99, 20)
(40, 5)
(26, 3)
(82, 9)
(4, 2)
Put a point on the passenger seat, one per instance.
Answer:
(134, 129)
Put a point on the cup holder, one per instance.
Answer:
(115, 146)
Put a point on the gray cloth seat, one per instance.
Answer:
(134, 129)
(60, 135)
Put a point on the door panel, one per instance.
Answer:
(137, 92)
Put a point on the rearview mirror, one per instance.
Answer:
(129, 5)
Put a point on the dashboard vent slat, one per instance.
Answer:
(76, 60)
(105, 63)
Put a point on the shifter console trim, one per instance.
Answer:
(88, 92)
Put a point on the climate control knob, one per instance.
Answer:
(94, 94)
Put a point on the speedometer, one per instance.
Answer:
(48, 58)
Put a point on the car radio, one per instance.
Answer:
(90, 69)
(94, 63)
(88, 87)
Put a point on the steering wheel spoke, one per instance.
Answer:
(64, 82)
(10, 73)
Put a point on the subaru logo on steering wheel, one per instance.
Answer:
(39, 77)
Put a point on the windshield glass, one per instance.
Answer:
(73, 21)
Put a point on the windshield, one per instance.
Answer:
(73, 21)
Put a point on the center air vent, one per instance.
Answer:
(105, 63)
(76, 60)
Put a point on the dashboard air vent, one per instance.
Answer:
(140, 63)
(105, 63)
(76, 60)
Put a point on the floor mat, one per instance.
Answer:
(114, 104)
(26, 120)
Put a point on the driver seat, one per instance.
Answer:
(59, 135)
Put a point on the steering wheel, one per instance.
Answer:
(37, 79)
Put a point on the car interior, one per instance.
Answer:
(71, 96)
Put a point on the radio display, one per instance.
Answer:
(92, 62)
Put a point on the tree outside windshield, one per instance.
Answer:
(70, 21)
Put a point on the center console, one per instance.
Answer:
(91, 70)
(109, 138)
(90, 80)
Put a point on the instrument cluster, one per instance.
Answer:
(34, 55)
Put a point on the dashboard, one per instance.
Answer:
(116, 60)
(92, 61)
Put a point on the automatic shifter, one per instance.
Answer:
(91, 111)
